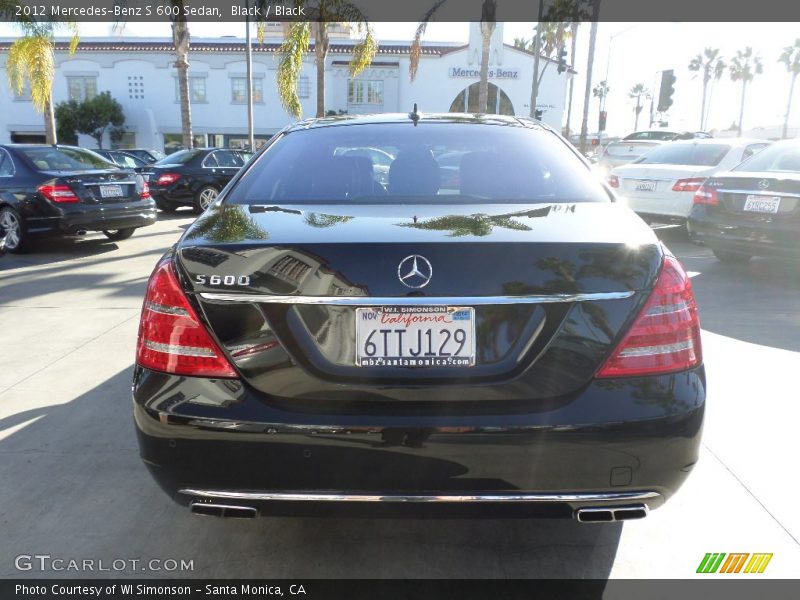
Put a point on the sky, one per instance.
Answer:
(638, 52)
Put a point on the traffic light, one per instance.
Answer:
(602, 123)
(538, 114)
(562, 60)
(667, 89)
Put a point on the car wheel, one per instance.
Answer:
(11, 227)
(119, 234)
(728, 256)
(205, 197)
(166, 206)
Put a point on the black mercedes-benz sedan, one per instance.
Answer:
(509, 338)
(193, 177)
(752, 210)
(65, 190)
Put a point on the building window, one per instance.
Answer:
(135, 87)
(239, 89)
(364, 92)
(303, 87)
(82, 88)
(197, 89)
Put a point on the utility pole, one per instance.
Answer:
(249, 60)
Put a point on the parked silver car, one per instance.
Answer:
(636, 144)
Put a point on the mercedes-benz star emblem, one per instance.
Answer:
(763, 184)
(415, 271)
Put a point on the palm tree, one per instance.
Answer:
(523, 44)
(297, 41)
(180, 38)
(589, 67)
(31, 59)
(744, 67)
(790, 57)
(488, 25)
(711, 65)
(574, 37)
(638, 91)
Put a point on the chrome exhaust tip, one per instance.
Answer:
(597, 514)
(81, 232)
(230, 511)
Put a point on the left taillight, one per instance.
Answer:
(688, 185)
(613, 181)
(145, 193)
(59, 193)
(665, 337)
(172, 338)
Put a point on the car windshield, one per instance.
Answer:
(701, 155)
(430, 162)
(181, 157)
(651, 135)
(50, 158)
(780, 157)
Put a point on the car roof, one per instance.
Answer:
(374, 119)
(716, 141)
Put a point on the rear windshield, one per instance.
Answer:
(66, 159)
(430, 162)
(179, 158)
(651, 135)
(701, 155)
(779, 157)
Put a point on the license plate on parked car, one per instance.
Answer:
(646, 186)
(415, 336)
(762, 204)
(111, 191)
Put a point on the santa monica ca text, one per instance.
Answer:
(159, 590)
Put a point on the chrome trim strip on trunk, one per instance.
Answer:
(255, 496)
(415, 300)
(766, 192)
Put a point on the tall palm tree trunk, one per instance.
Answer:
(50, 123)
(589, 66)
(572, 78)
(741, 108)
(180, 37)
(487, 29)
(321, 52)
(788, 109)
(703, 105)
(638, 110)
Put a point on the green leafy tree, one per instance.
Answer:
(790, 57)
(712, 66)
(31, 60)
(297, 41)
(744, 67)
(91, 117)
(638, 92)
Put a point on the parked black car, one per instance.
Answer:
(193, 177)
(52, 190)
(149, 156)
(122, 159)
(510, 337)
(752, 210)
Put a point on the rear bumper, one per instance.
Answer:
(636, 443)
(77, 218)
(780, 238)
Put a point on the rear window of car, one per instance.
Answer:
(701, 155)
(651, 135)
(495, 163)
(181, 157)
(48, 158)
(778, 157)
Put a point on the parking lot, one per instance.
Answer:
(72, 485)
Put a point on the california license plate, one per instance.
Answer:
(415, 336)
(111, 191)
(646, 186)
(762, 204)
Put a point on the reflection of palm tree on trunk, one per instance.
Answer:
(321, 220)
(228, 224)
(461, 225)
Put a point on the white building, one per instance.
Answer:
(140, 74)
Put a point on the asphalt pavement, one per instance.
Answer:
(72, 485)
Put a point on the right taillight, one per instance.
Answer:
(665, 337)
(613, 181)
(706, 195)
(167, 178)
(172, 338)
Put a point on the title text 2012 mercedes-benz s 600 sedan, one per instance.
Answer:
(506, 337)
